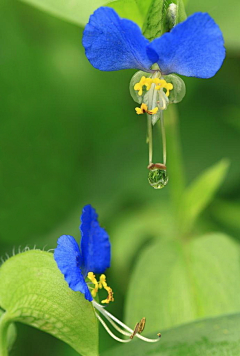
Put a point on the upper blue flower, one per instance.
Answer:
(194, 48)
(94, 255)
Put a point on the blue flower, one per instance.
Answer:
(193, 48)
(94, 256)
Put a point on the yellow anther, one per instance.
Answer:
(138, 86)
(92, 278)
(161, 83)
(148, 83)
(144, 109)
(99, 285)
(103, 284)
(153, 111)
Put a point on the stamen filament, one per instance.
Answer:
(150, 139)
(109, 331)
(104, 312)
(163, 138)
(116, 326)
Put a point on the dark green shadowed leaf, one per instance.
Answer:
(217, 336)
(33, 291)
(177, 282)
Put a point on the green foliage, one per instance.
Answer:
(217, 336)
(176, 282)
(33, 291)
(78, 12)
(161, 18)
(200, 193)
(11, 332)
(64, 146)
(72, 11)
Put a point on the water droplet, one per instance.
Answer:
(157, 178)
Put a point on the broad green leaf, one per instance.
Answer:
(216, 336)
(200, 193)
(33, 291)
(162, 16)
(177, 282)
(134, 231)
(78, 11)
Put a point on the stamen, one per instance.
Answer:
(103, 284)
(159, 84)
(139, 327)
(99, 285)
(144, 109)
(108, 316)
(109, 331)
(92, 278)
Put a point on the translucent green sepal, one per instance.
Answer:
(136, 79)
(179, 88)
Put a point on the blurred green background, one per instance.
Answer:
(69, 136)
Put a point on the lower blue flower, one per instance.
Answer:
(94, 255)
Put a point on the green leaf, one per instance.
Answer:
(135, 10)
(200, 193)
(162, 16)
(33, 291)
(11, 333)
(177, 282)
(132, 232)
(217, 336)
(79, 11)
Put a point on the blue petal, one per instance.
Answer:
(112, 43)
(68, 258)
(95, 244)
(194, 48)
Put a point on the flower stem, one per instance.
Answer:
(175, 164)
(150, 138)
(4, 324)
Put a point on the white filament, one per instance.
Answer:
(108, 316)
(109, 331)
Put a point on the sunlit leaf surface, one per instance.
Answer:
(33, 291)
